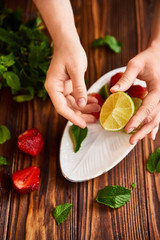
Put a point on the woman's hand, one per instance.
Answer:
(66, 86)
(144, 66)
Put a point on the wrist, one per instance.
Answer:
(66, 36)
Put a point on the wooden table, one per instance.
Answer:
(30, 216)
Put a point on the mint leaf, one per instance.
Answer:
(3, 161)
(25, 97)
(109, 41)
(113, 196)
(7, 61)
(42, 94)
(133, 185)
(2, 69)
(154, 161)
(158, 167)
(113, 44)
(61, 212)
(12, 81)
(4, 134)
(77, 135)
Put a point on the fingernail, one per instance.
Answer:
(115, 87)
(130, 130)
(135, 141)
(81, 102)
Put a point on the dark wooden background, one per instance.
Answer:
(29, 216)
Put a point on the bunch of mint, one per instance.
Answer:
(25, 53)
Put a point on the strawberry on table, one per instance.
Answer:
(100, 102)
(115, 78)
(137, 91)
(30, 142)
(26, 180)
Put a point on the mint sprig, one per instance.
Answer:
(113, 196)
(153, 163)
(3, 161)
(77, 135)
(110, 42)
(133, 185)
(4, 134)
(25, 54)
(61, 212)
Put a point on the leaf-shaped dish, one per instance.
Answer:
(100, 151)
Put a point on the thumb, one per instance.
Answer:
(127, 78)
(79, 88)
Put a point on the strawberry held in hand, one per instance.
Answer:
(30, 142)
(137, 91)
(100, 102)
(115, 78)
(26, 180)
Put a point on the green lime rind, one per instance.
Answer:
(104, 92)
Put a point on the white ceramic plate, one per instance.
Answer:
(100, 151)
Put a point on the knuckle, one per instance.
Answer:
(148, 119)
(148, 109)
(133, 63)
(124, 79)
(46, 85)
(155, 123)
(78, 68)
(79, 89)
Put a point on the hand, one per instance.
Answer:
(144, 66)
(66, 87)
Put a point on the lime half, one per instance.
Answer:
(116, 111)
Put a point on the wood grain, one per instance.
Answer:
(30, 216)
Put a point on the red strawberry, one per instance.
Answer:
(115, 78)
(30, 142)
(137, 91)
(26, 180)
(100, 102)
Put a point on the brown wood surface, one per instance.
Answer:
(29, 216)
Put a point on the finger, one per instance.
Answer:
(145, 130)
(91, 99)
(127, 78)
(89, 108)
(146, 109)
(67, 87)
(153, 133)
(79, 87)
(89, 118)
(60, 104)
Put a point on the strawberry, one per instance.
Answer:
(30, 142)
(26, 180)
(100, 102)
(115, 78)
(137, 91)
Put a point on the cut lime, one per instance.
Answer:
(116, 111)
(137, 103)
(104, 92)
